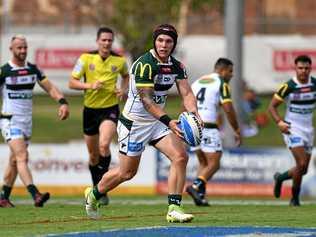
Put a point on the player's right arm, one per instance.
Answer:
(77, 73)
(277, 100)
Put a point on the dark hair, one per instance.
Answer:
(223, 62)
(104, 29)
(166, 29)
(303, 58)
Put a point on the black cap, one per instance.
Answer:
(166, 29)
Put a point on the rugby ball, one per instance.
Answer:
(191, 128)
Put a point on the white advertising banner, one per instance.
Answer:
(67, 165)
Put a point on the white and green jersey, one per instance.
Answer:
(17, 85)
(211, 91)
(147, 71)
(300, 100)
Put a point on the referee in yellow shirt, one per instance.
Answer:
(100, 70)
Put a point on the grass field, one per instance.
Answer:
(62, 215)
(48, 129)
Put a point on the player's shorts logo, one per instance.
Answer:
(294, 140)
(135, 146)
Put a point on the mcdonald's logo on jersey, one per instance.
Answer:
(143, 68)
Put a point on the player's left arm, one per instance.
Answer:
(57, 95)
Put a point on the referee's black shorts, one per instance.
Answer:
(92, 118)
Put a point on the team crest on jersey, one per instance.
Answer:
(22, 72)
(113, 68)
(166, 69)
(91, 67)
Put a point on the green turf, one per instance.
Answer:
(59, 217)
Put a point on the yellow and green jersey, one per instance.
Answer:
(148, 71)
(300, 100)
(92, 67)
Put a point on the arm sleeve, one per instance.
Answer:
(224, 92)
(143, 73)
(1, 78)
(181, 71)
(124, 69)
(40, 74)
(79, 68)
(283, 91)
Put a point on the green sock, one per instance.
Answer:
(96, 193)
(284, 176)
(174, 199)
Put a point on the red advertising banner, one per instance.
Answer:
(283, 60)
(57, 58)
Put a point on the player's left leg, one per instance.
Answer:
(302, 159)
(175, 150)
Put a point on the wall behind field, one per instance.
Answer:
(267, 61)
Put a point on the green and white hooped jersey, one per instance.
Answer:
(300, 100)
(210, 91)
(17, 85)
(147, 71)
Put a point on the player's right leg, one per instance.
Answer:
(302, 159)
(10, 175)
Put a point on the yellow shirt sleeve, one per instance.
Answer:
(79, 68)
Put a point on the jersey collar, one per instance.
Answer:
(153, 53)
(16, 66)
(299, 83)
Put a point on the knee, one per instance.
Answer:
(12, 163)
(181, 158)
(20, 158)
(302, 169)
(104, 148)
(127, 174)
